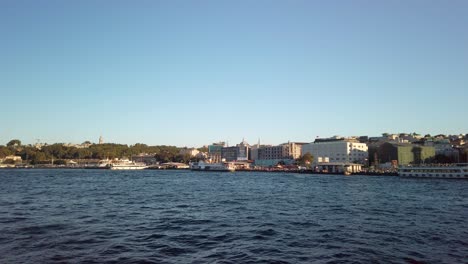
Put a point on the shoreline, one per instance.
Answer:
(240, 170)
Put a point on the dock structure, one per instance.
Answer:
(338, 167)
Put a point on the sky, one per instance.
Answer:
(189, 73)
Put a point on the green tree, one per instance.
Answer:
(163, 157)
(182, 158)
(305, 160)
(81, 153)
(38, 158)
(203, 149)
(14, 143)
(27, 152)
(60, 162)
(5, 151)
(57, 151)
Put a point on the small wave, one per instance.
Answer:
(154, 236)
(305, 224)
(8, 220)
(191, 221)
(188, 239)
(227, 237)
(268, 232)
(41, 229)
(174, 251)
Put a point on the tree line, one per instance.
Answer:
(58, 151)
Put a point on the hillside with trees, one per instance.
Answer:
(46, 153)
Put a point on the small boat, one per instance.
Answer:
(202, 166)
(452, 171)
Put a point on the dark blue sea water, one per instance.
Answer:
(99, 216)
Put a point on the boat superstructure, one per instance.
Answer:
(456, 171)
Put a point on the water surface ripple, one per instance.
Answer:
(99, 216)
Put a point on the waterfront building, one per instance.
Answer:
(72, 145)
(295, 149)
(229, 153)
(283, 151)
(240, 152)
(193, 152)
(272, 155)
(401, 154)
(338, 167)
(463, 150)
(444, 148)
(148, 159)
(215, 151)
(174, 165)
(254, 151)
(15, 159)
(243, 151)
(202, 156)
(337, 149)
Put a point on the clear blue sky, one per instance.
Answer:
(188, 73)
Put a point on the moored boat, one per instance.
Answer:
(453, 171)
(202, 166)
(126, 164)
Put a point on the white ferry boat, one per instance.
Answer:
(125, 164)
(455, 171)
(202, 166)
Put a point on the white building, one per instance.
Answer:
(189, 151)
(16, 159)
(337, 150)
(290, 150)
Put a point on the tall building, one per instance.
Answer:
(272, 155)
(215, 151)
(243, 151)
(240, 152)
(253, 155)
(273, 152)
(337, 150)
(288, 150)
(229, 153)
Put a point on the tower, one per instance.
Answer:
(101, 140)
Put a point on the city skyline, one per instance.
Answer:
(189, 74)
(101, 140)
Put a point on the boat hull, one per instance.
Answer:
(214, 170)
(128, 167)
(456, 171)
